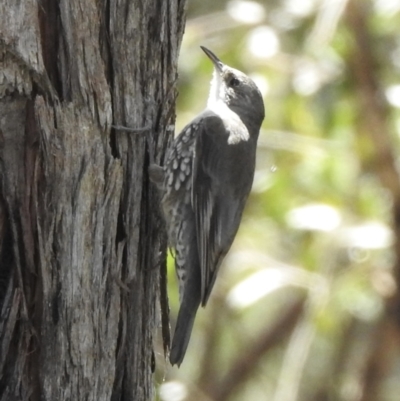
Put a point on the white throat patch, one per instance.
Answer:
(232, 122)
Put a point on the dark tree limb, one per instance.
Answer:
(80, 234)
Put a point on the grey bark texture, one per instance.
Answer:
(80, 234)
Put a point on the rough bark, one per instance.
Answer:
(80, 236)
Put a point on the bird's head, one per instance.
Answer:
(236, 90)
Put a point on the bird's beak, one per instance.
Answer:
(216, 61)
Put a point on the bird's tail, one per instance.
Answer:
(183, 329)
(187, 266)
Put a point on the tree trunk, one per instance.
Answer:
(80, 236)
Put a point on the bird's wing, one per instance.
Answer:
(216, 210)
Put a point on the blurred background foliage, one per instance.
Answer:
(306, 306)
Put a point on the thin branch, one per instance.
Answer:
(132, 130)
(247, 362)
(374, 108)
(374, 116)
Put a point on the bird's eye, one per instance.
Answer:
(233, 82)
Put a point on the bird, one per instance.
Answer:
(204, 185)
